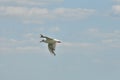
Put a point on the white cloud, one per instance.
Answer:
(116, 46)
(74, 13)
(28, 48)
(20, 46)
(98, 61)
(78, 44)
(55, 29)
(112, 42)
(93, 30)
(4, 50)
(85, 48)
(33, 22)
(28, 35)
(116, 0)
(23, 11)
(116, 9)
(25, 49)
(32, 2)
(107, 41)
(40, 15)
(11, 42)
(29, 42)
(104, 38)
(98, 33)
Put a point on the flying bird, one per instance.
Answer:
(51, 43)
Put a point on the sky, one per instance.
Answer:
(88, 29)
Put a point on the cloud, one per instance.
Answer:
(113, 43)
(28, 39)
(29, 42)
(32, 22)
(93, 30)
(31, 2)
(72, 48)
(28, 48)
(73, 13)
(116, 10)
(27, 15)
(108, 39)
(40, 15)
(20, 46)
(32, 46)
(23, 11)
(78, 44)
(99, 33)
(116, 0)
(98, 61)
(25, 50)
(28, 35)
(85, 48)
(55, 29)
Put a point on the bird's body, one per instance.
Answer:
(51, 43)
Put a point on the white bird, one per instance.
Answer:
(51, 43)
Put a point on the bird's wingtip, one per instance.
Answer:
(54, 54)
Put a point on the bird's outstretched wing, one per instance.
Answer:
(51, 48)
(42, 36)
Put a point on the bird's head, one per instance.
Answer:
(42, 40)
(41, 36)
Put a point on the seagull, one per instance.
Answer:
(51, 43)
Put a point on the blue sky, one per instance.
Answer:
(89, 31)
